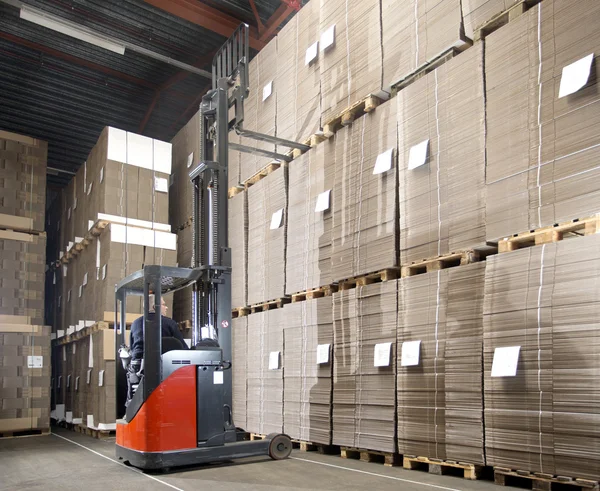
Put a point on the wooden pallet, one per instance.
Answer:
(99, 434)
(322, 291)
(321, 448)
(441, 467)
(348, 115)
(77, 248)
(184, 225)
(17, 224)
(25, 433)
(502, 19)
(312, 142)
(86, 331)
(278, 303)
(553, 233)
(261, 174)
(184, 325)
(539, 481)
(256, 436)
(367, 279)
(240, 312)
(234, 191)
(389, 459)
(444, 261)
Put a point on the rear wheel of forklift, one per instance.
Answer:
(280, 447)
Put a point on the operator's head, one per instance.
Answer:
(163, 305)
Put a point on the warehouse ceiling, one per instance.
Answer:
(63, 90)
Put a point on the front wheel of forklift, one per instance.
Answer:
(280, 447)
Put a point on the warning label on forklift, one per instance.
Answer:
(224, 324)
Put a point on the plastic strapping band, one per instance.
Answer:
(304, 331)
(539, 352)
(416, 34)
(348, 56)
(309, 215)
(357, 264)
(539, 115)
(435, 360)
(439, 199)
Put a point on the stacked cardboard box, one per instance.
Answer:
(442, 160)
(541, 411)
(238, 234)
(416, 33)
(477, 12)
(350, 57)
(542, 117)
(22, 182)
(364, 369)
(440, 400)
(264, 362)
(182, 299)
(308, 337)
(267, 223)
(24, 374)
(310, 222)
(239, 330)
(365, 195)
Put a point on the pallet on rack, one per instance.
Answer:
(389, 459)
(25, 433)
(312, 142)
(553, 233)
(322, 448)
(367, 279)
(459, 258)
(261, 174)
(348, 115)
(86, 331)
(94, 433)
(17, 224)
(441, 467)
(94, 231)
(322, 291)
(539, 481)
(503, 18)
(234, 191)
(240, 312)
(278, 303)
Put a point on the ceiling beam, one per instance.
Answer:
(280, 15)
(259, 23)
(204, 16)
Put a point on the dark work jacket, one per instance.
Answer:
(170, 329)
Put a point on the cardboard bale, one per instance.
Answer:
(22, 182)
(267, 224)
(542, 149)
(442, 205)
(239, 331)
(365, 197)
(308, 379)
(238, 237)
(440, 398)
(477, 12)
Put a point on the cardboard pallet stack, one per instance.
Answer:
(440, 337)
(308, 338)
(540, 359)
(239, 332)
(24, 340)
(542, 117)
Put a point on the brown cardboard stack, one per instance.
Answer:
(477, 12)
(22, 182)
(267, 223)
(350, 53)
(308, 254)
(24, 374)
(238, 233)
(415, 33)
(440, 398)
(308, 337)
(365, 195)
(364, 369)
(239, 330)
(260, 108)
(544, 302)
(442, 160)
(542, 149)
(264, 363)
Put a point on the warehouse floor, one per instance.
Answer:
(67, 460)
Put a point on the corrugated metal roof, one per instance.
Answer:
(63, 90)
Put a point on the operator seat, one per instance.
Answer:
(171, 344)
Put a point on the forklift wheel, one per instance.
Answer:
(280, 447)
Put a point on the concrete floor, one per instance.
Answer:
(67, 460)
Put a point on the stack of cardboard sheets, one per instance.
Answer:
(543, 117)
(308, 337)
(239, 330)
(238, 235)
(440, 399)
(441, 159)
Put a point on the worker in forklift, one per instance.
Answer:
(170, 329)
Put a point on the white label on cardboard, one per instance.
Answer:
(311, 53)
(575, 76)
(161, 185)
(91, 354)
(74, 348)
(418, 154)
(98, 250)
(382, 355)
(88, 377)
(85, 279)
(410, 353)
(65, 271)
(76, 384)
(274, 360)
(59, 381)
(69, 296)
(190, 160)
(54, 278)
(90, 224)
(68, 381)
(505, 361)
(90, 188)
(104, 272)
(69, 213)
(323, 354)
(276, 219)
(35, 361)
(80, 290)
(75, 203)
(101, 378)
(323, 201)
(267, 90)
(218, 377)
(90, 420)
(61, 254)
(328, 38)
(383, 162)
(102, 174)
